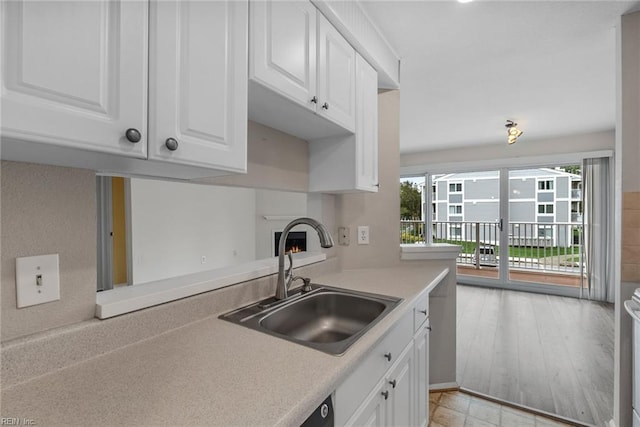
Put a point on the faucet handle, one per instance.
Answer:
(306, 287)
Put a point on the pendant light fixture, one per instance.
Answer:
(512, 131)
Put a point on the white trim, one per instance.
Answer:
(281, 217)
(410, 252)
(443, 386)
(514, 162)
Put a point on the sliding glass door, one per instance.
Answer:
(545, 228)
(518, 228)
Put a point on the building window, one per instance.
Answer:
(545, 185)
(455, 187)
(455, 231)
(455, 209)
(545, 232)
(546, 208)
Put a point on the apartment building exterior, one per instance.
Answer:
(539, 200)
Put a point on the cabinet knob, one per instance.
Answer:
(314, 99)
(172, 144)
(385, 394)
(393, 383)
(388, 356)
(428, 328)
(133, 135)
(423, 312)
(325, 106)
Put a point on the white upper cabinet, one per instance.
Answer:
(75, 74)
(78, 72)
(283, 49)
(301, 71)
(349, 163)
(198, 83)
(366, 126)
(336, 76)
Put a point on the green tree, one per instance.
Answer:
(574, 169)
(410, 201)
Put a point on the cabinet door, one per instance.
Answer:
(198, 83)
(283, 48)
(366, 126)
(372, 412)
(400, 382)
(336, 76)
(421, 348)
(75, 73)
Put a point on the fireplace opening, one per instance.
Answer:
(296, 242)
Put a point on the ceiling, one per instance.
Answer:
(465, 69)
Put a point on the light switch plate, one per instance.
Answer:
(37, 280)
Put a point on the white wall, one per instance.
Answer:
(174, 224)
(473, 158)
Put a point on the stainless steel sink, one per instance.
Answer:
(327, 319)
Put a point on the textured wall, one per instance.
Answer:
(631, 236)
(630, 147)
(275, 160)
(48, 209)
(381, 210)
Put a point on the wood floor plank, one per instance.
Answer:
(550, 353)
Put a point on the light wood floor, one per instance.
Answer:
(554, 354)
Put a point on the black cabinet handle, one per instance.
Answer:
(423, 312)
(388, 356)
(385, 394)
(325, 106)
(133, 135)
(314, 99)
(171, 144)
(393, 383)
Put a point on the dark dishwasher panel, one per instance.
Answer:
(322, 416)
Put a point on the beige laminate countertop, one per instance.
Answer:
(212, 372)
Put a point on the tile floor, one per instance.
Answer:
(458, 409)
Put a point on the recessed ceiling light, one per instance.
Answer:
(465, 1)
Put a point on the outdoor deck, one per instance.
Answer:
(545, 277)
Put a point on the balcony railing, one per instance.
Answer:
(549, 247)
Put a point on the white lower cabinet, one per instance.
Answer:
(391, 401)
(399, 391)
(390, 387)
(421, 351)
(373, 410)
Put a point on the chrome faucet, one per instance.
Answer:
(285, 279)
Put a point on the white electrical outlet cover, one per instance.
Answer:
(27, 271)
(363, 234)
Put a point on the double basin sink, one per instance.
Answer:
(326, 318)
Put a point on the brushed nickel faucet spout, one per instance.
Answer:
(282, 288)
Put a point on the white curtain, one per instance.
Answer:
(598, 229)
